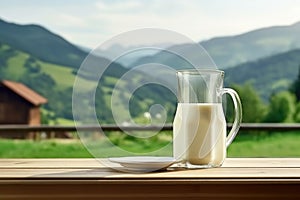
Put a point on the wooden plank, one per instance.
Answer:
(193, 174)
(50, 163)
(147, 190)
(262, 162)
(93, 163)
(239, 178)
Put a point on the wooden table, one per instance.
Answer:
(239, 178)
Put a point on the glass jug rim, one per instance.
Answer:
(200, 71)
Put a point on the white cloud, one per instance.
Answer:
(119, 6)
(70, 20)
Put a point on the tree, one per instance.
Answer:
(281, 107)
(253, 107)
(297, 113)
(295, 87)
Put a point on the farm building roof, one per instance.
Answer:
(25, 92)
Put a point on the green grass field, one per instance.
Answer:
(62, 75)
(274, 145)
(16, 65)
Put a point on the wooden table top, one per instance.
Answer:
(257, 178)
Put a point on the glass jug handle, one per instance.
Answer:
(237, 112)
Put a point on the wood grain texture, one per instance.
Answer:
(238, 178)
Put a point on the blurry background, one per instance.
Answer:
(256, 43)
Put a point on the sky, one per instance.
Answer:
(91, 22)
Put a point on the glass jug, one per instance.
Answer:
(199, 127)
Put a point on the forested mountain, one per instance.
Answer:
(232, 50)
(267, 75)
(41, 43)
(47, 63)
(47, 46)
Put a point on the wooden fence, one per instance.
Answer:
(51, 131)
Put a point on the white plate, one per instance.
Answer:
(140, 163)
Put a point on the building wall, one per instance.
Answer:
(34, 116)
(16, 110)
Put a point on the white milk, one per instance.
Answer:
(199, 134)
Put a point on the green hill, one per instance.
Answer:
(15, 64)
(48, 63)
(47, 46)
(232, 50)
(51, 80)
(55, 82)
(41, 43)
(268, 75)
(53, 75)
